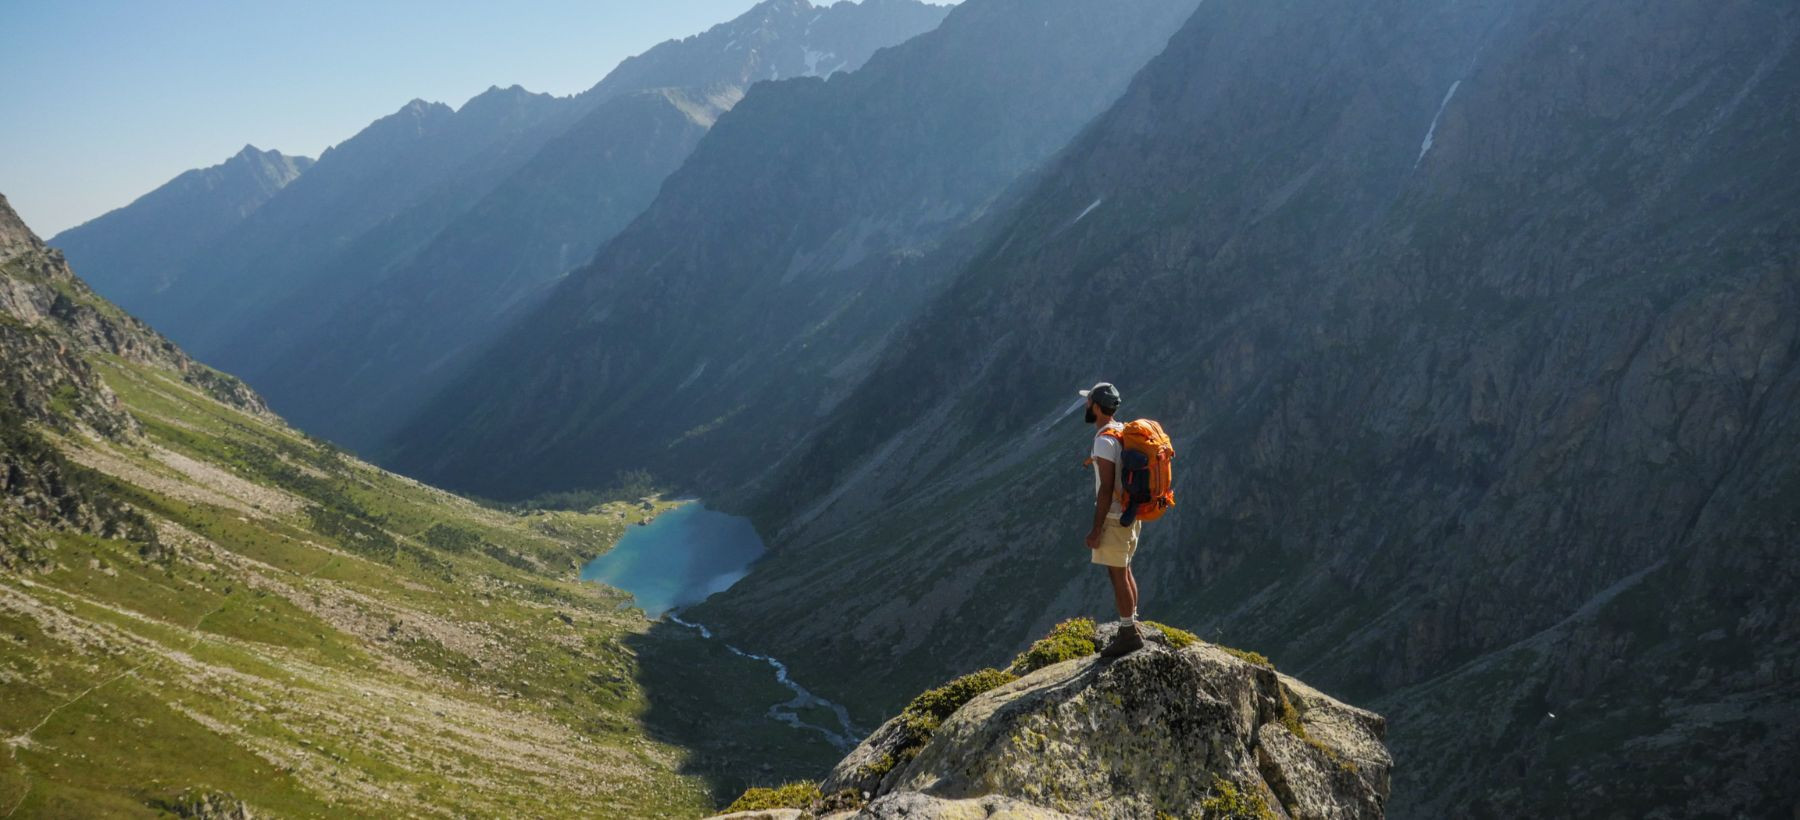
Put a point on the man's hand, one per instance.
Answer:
(1093, 539)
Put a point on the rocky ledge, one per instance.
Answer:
(1181, 728)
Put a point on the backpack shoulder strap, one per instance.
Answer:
(1110, 432)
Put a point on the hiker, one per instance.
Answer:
(1112, 545)
(1131, 486)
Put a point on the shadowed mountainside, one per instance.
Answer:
(1476, 325)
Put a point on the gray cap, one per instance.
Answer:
(1103, 394)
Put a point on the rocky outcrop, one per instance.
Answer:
(206, 804)
(50, 318)
(1194, 731)
(51, 323)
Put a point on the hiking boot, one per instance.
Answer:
(1124, 642)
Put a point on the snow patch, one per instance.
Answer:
(1431, 133)
(812, 63)
(1089, 209)
(692, 377)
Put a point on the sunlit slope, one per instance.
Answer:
(198, 603)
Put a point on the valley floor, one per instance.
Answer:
(313, 636)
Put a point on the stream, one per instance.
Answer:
(684, 556)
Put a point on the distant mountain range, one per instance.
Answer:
(763, 280)
(352, 294)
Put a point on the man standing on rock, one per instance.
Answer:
(1111, 544)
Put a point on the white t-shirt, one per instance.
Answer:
(1110, 449)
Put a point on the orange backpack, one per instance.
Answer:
(1145, 490)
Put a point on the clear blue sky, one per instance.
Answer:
(106, 99)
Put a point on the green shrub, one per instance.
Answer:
(1176, 638)
(797, 795)
(1228, 802)
(451, 538)
(1257, 658)
(1071, 639)
(921, 718)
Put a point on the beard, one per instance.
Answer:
(1089, 416)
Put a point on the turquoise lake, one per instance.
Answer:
(687, 554)
(679, 558)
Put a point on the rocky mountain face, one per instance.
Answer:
(353, 295)
(385, 348)
(208, 614)
(53, 320)
(798, 234)
(1476, 324)
(138, 250)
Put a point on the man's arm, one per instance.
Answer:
(1102, 500)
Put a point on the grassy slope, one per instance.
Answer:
(322, 637)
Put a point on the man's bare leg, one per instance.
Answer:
(1124, 591)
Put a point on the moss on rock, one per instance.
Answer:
(1071, 639)
(1177, 639)
(797, 795)
(1228, 802)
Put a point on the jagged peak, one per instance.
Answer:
(498, 97)
(419, 107)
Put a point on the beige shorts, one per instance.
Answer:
(1117, 544)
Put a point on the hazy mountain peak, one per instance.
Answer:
(497, 101)
(772, 40)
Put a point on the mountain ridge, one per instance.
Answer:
(432, 195)
(868, 172)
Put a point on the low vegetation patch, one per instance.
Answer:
(931, 708)
(1071, 639)
(922, 717)
(797, 795)
(629, 486)
(1228, 802)
(1177, 639)
(1247, 656)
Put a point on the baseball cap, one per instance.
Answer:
(1103, 394)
